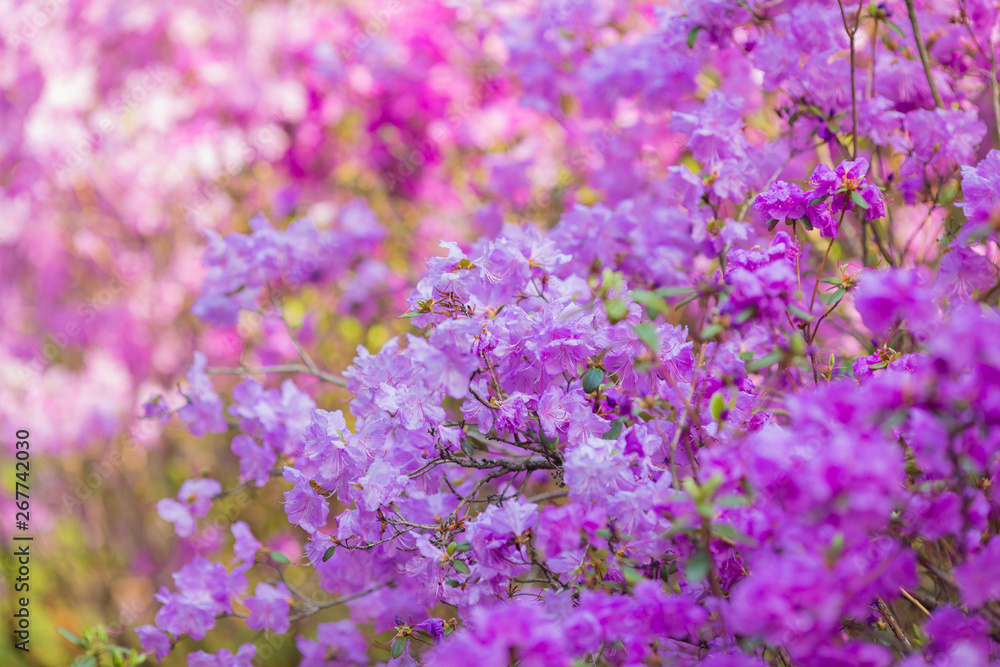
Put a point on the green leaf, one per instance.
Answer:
(730, 533)
(592, 380)
(631, 575)
(653, 301)
(603, 532)
(460, 566)
(693, 35)
(859, 200)
(879, 365)
(674, 291)
(408, 314)
(647, 334)
(466, 447)
(684, 302)
(454, 583)
(697, 567)
(616, 309)
(329, 553)
(463, 546)
(801, 314)
(746, 356)
(830, 281)
(615, 430)
(550, 443)
(280, 558)
(896, 29)
(85, 661)
(765, 361)
(817, 200)
(711, 331)
(717, 404)
(398, 646)
(831, 298)
(73, 639)
(732, 501)
(745, 314)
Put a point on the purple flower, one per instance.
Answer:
(821, 216)
(224, 657)
(179, 616)
(268, 608)
(981, 187)
(883, 297)
(194, 501)
(205, 584)
(875, 200)
(513, 518)
(246, 546)
(154, 640)
(203, 413)
(156, 408)
(979, 577)
(337, 643)
(256, 461)
(278, 419)
(714, 129)
(304, 507)
(824, 180)
(782, 200)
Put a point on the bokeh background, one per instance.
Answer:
(130, 129)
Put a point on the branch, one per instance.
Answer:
(922, 50)
(281, 368)
(341, 600)
(891, 621)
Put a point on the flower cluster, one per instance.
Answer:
(639, 427)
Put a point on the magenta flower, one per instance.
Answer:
(203, 413)
(194, 500)
(246, 545)
(224, 658)
(269, 608)
(303, 506)
(981, 187)
(154, 640)
(782, 201)
(340, 642)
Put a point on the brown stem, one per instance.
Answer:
(819, 274)
(890, 619)
(281, 368)
(995, 93)
(922, 50)
(864, 242)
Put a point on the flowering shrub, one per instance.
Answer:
(739, 404)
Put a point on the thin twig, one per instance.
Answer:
(890, 619)
(922, 50)
(281, 368)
